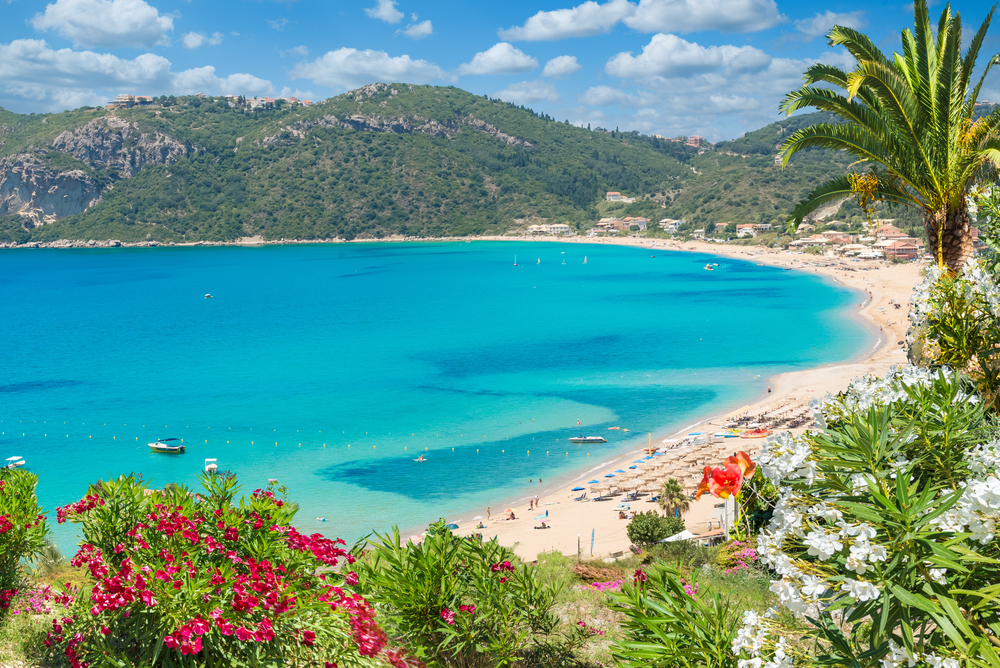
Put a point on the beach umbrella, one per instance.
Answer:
(619, 471)
(575, 489)
(639, 461)
(610, 475)
(451, 526)
(633, 466)
(593, 481)
(509, 510)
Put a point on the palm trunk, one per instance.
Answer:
(955, 248)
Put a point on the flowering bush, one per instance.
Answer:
(955, 322)
(884, 531)
(460, 601)
(669, 623)
(184, 579)
(735, 556)
(22, 530)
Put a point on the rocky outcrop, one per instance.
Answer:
(111, 143)
(28, 188)
(401, 125)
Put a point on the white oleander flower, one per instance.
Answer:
(938, 575)
(860, 590)
(823, 545)
(899, 655)
(934, 661)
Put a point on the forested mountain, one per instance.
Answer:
(384, 159)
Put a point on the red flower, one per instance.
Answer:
(726, 481)
(639, 576)
(244, 634)
(351, 579)
(308, 638)
(448, 616)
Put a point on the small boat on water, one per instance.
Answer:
(421, 458)
(169, 446)
(14, 462)
(588, 439)
(208, 296)
(585, 259)
(709, 267)
(615, 428)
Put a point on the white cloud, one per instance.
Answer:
(584, 20)
(193, 40)
(418, 30)
(57, 79)
(604, 96)
(694, 15)
(109, 23)
(527, 92)
(278, 24)
(821, 23)
(348, 68)
(385, 10)
(501, 58)
(302, 51)
(561, 66)
(671, 56)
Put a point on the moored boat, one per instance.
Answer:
(170, 446)
(587, 439)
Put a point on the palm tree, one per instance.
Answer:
(673, 498)
(909, 118)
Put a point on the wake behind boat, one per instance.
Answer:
(587, 439)
(170, 446)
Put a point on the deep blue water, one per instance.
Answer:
(331, 367)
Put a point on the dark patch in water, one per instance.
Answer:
(489, 465)
(34, 385)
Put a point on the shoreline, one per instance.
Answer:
(883, 285)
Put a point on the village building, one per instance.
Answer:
(670, 225)
(745, 230)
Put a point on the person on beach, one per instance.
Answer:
(487, 514)
(512, 516)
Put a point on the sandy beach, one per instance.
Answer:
(571, 523)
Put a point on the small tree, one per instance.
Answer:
(648, 528)
(673, 498)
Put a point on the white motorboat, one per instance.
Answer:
(170, 446)
(587, 439)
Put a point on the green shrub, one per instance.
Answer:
(22, 530)
(649, 527)
(670, 622)
(184, 579)
(462, 601)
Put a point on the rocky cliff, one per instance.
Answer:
(29, 188)
(40, 194)
(111, 143)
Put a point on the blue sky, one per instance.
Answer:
(716, 68)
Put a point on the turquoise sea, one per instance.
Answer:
(331, 367)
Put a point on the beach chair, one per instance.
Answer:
(582, 497)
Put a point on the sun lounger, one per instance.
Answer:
(581, 497)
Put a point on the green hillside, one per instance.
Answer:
(386, 159)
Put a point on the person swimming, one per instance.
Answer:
(420, 459)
